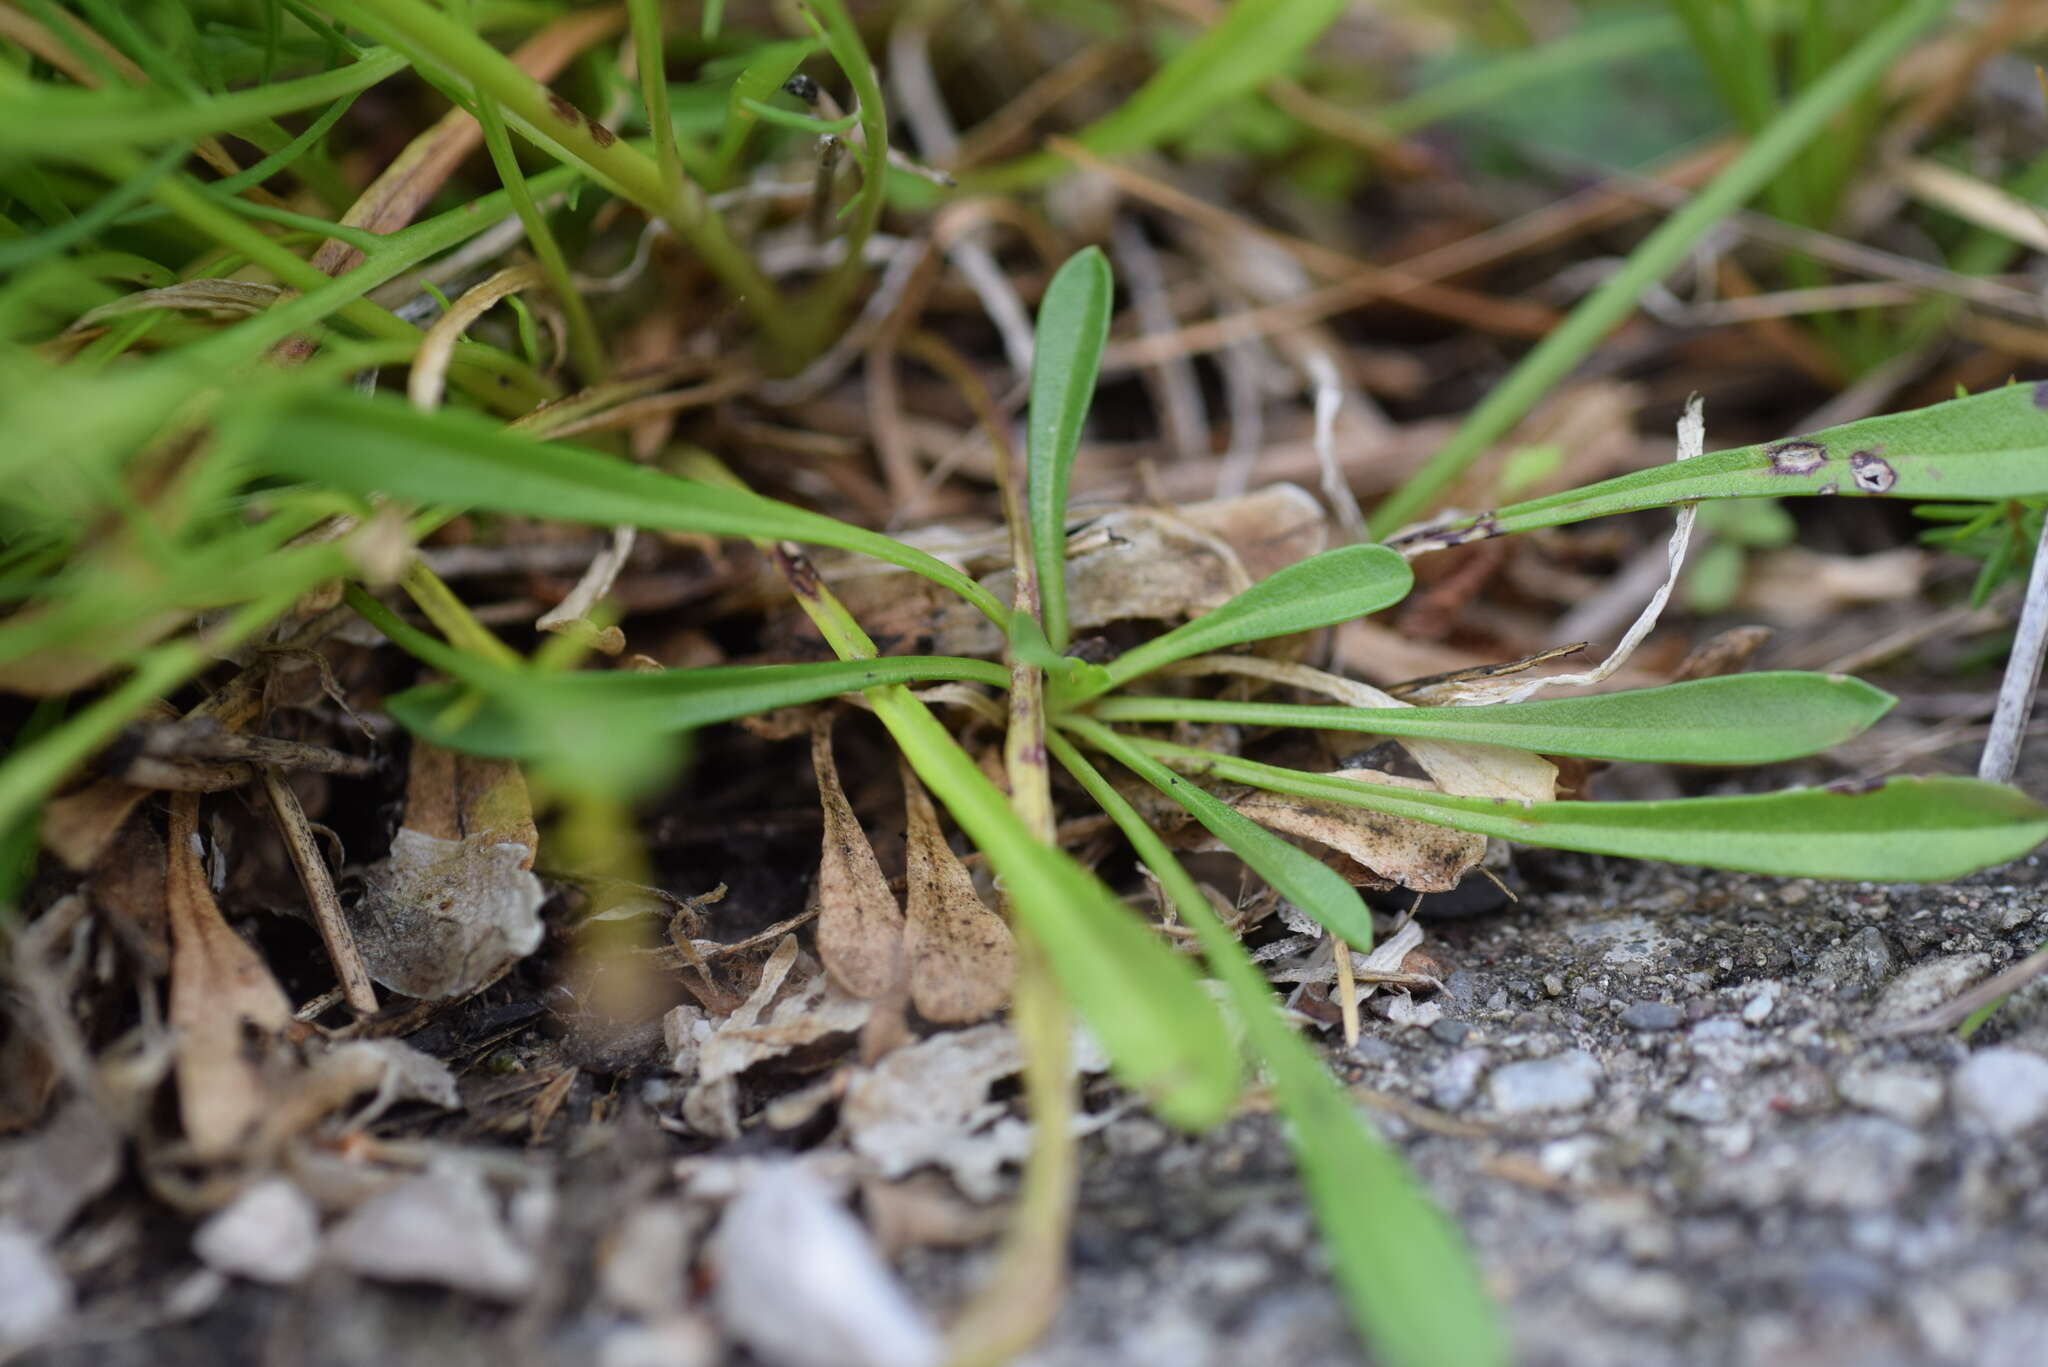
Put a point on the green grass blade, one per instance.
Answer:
(1293, 872)
(1907, 830)
(1142, 1000)
(1804, 119)
(512, 720)
(1405, 1272)
(1073, 324)
(1256, 41)
(377, 445)
(1741, 719)
(1989, 446)
(835, 28)
(52, 121)
(1320, 591)
(767, 68)
(1587, 48)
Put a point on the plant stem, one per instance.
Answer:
(2022, 675)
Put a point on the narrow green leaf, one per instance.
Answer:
(1143, 1001)
(767, 68)
(48, 120)
(1254, 42)
(1741, 719)
(511, 721)
(1073, 323)
(1538, 373)
(833, 24)
(1988, 446)
(1320, 591)
(377, 445)
(1405, 1271)
(1297, 875)
(1907, 830)
(800, 123)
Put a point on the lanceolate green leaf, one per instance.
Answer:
(1742, 719)
(1988, 446)
(511, 719)
(1321, 591)
(1073, 322)
(1297, 875)
(1406, 1273)
(1908, 830)
(376, 445)
(1142, 1000)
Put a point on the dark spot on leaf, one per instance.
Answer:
(602, 136)
(563, 110)
(1855, 787)
(1796, 457)
(1873, 474)
(797, 568)
(2041, 394)
(1830, 488)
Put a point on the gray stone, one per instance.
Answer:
(1563, 1082)
(1861, 1163)
(1451, 1032)
(1859, 962)
(1642, 1295)
(2002, 1091)
(1927, 985)
(1452, 1086)
(1908, 1095)
(1703, 1099)
(35, 1295)
(1652, 1016)
(270, 1233)
(1134, 1137)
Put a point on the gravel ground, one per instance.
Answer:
(1661, 1114)
(1655, 1101)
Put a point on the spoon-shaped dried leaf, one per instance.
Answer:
(222, 994)
(961, 956)
(1411, 853)
(860, 927)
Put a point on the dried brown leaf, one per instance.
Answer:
(962, 959)
(860, 926)
(1413, 854)
(127, 889)
(929, 1105)
(819, 1010)
(455, 903)
(223, 1001)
